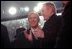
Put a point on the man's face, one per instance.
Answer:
(33, 20)
(46, 11)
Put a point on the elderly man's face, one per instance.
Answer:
(46, 11)
(33, 20)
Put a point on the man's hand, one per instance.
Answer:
(39, 33)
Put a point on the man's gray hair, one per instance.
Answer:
(52, 4)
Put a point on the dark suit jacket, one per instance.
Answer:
(51, 28)
(64, 41)
(5, 42)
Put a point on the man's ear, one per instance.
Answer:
(52, 12)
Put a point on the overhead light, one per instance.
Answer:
(38, 7)
(26, 9)
(12, 10)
